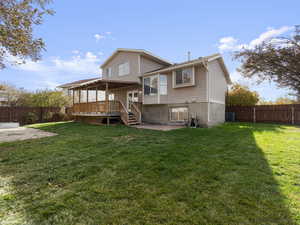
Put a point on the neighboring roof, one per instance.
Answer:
(101, 84)
(141, 51)
(78, 82)
(201, 60)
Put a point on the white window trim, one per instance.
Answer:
(122, 64)
(152, 77)
(170, 110)
(183, 85)
(160, 75)
(109, 72)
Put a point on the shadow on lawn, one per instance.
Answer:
(187, 176)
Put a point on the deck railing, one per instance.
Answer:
(136, 111)
(96, 107)
(123, 113)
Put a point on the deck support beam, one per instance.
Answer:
(79, 96)
(96, 94)
(87, 95)
(106, 97)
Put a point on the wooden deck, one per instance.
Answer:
(108, 110)
(100, 107)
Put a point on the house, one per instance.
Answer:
(139, 86)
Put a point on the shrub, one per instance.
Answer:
(47, 116)
(59, 116)
(30, 118)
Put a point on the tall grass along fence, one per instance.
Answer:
(18, 113)
(289, 114)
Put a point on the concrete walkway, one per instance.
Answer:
(22, 133)
(158, 127)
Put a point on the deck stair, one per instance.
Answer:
(132, 120)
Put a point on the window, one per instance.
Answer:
(147, 86)
(124, 69)
(111, 97)
(179, 114)
(150, 85)
(163, 84)
(108, 72)
(183, 77)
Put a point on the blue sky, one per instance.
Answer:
(83, 33)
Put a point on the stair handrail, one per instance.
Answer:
(123, 113)
(136, 112)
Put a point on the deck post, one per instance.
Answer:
(96, 94)
(73, 92)
(87, 95)
(79, 96)
(106, 97)
(88, 108)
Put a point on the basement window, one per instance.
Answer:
(179, 114)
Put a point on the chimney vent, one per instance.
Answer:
(189, 56)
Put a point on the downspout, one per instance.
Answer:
(158, 87)
(208, 92)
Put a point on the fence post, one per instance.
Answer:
(293, 114)
(254, 115)
(41, 114)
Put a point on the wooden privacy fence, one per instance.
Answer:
(16, 114)
(267, 113)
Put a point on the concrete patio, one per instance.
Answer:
(158, 127)
(22, 133)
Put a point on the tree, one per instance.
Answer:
(10, 93)
(240, 95)
(44, 98)
(279, 101)
(17, 19)
(277, 60)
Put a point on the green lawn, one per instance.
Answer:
(236, 173)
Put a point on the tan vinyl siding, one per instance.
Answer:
(148, 65)
(121, 93)
(217, 82)
(196, 93)
(123, 57)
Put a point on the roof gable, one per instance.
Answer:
(201, 60)
(140, 51)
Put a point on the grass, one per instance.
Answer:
(236, 173)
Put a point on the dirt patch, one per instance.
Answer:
(22, 133)
(125, 138)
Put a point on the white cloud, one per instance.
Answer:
(227, 43)
(235, 76)
(54, 71)
(98, 37)
(89, 63)
(271, 33)
(105, 35)
(231, 43)
(76, 52)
